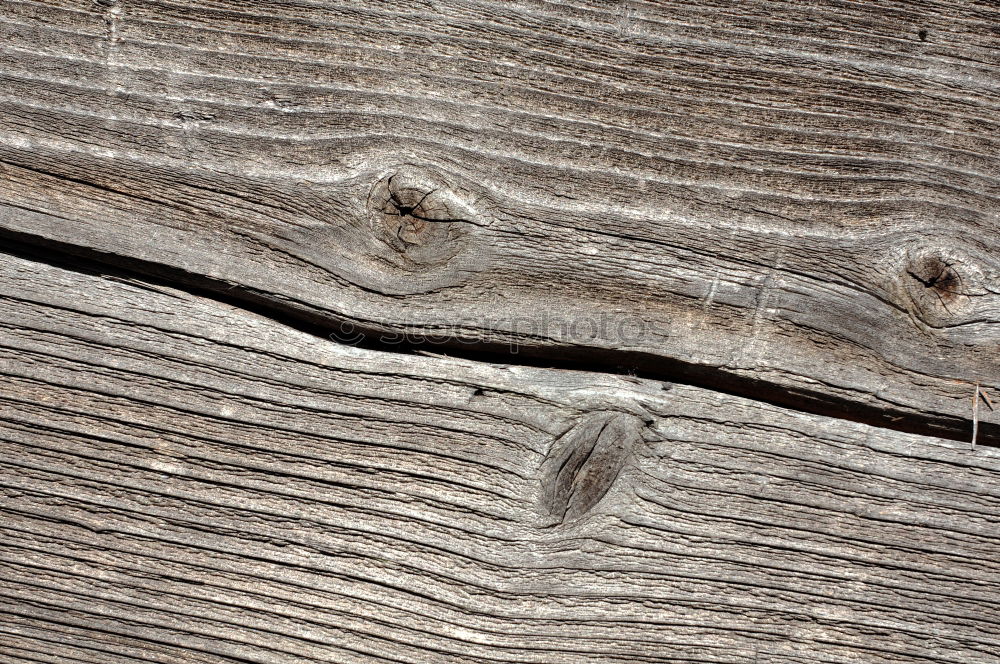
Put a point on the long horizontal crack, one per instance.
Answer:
(370, 335)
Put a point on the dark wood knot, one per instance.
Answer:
(937, 287)
(423, 219)
(584, 462)
(415, 230)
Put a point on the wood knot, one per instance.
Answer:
(936, 286)
(412, 231)
(939, 276)
(424, 220)
(584, 462)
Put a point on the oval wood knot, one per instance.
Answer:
(584, 462)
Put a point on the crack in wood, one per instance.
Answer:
(368, 334)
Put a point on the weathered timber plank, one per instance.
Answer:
(185, 481)
(794, 199)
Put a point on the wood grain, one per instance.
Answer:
(186, 481)
(794, 201)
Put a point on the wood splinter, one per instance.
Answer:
(979, 394)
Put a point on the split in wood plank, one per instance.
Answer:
(183, 480)
(785, 200)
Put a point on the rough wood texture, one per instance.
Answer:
(793, 200)
(184, 481)
(774, 203)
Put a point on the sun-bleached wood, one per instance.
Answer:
(791, 200)
(184, 481)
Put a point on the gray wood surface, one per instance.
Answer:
(790, 200)
(470, 331)
(185, 481)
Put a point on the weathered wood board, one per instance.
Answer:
(794, 200)
(184, 481)
(718, 283)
